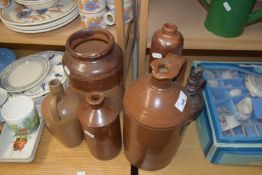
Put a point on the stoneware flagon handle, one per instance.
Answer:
(167, 68)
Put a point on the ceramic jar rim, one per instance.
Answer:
(88, 32)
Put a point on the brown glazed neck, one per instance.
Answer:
(165, 70)
(56, 88)
(85, 35)
(169, 28)
(95, 99)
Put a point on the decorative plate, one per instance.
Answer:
(24, 73)
(16, 14)
(6, 57)
(27, 152)
(45, 27)
(56, 71)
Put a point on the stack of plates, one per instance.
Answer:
(30, 75)
(37, 4)
(22, 19)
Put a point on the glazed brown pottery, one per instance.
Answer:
(94, 62)
(165, 40)
(156, 113)
(59, 110)
(101, 126)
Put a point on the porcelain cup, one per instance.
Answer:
(4, 3)
(93, 20)
(110, 15)
(20, 115)
(91, 6)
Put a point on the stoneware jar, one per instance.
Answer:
(94, 62)
(59, 110)
(165, 40)
(156, 113)
(101, 126)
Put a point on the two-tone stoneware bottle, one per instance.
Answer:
(94, 62)
(156, 113)
(59, 111)
(165, 40)
(101, 126)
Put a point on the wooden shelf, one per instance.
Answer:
(189, 16)
(53, 158)
(56, 37)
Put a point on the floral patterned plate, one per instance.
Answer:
(45, 27)
(56, 71)
(16, 14)
(8, 141)
(24, 73)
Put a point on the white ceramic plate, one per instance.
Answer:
(56, 71)
(27, 154)
(45, 27)
(53, 26)
(16, 14)
(24, 73)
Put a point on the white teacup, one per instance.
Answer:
(20, 115)
(93, 20)
(91, 6)
(110, 15)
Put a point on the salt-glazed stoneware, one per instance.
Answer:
(94, 62)
(157, 111)
(101, 126)
(59, 110)
(165, 40)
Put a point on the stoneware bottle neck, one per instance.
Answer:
(164, 70)
(56, 88)
(169, 29)
(95, 100)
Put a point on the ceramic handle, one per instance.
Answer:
(167, 68)
(53, 109)
(254, 16)
(109, 18)
(205, 3)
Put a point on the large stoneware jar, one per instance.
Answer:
(94, 62)
(156, 113)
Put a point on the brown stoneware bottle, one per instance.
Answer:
(101, 126)
(59, 110)
(94, 62)
(156, 113)
(165, 41)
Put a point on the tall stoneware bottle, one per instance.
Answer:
(94, 62)
(59, 111)
(156, 113)
(166, 40)
(101, 126)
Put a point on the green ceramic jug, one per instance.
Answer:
(227, 18)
